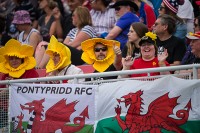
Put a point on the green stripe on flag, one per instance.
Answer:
(110, 125)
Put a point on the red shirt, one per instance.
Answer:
(141, 64)
(32, 73)
(28, 74)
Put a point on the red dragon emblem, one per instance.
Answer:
(56, 117)
(156, 118)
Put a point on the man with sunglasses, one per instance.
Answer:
(104, 55)
(164, 28)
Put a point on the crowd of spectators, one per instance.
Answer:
(114, 34)
(110, 35)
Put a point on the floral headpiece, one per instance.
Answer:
(89, 56)
(149, 37)
(65, 55)
(15, 48)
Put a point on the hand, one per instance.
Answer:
(128, 61)
(9, 78)
(162, 56)
(56, 13)
(117, 50)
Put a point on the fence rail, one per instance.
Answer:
(4, 92)
(194, 67)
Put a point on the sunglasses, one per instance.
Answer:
(117, 8)
(101, 49)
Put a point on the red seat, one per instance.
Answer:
(86, 68)
(41, 72)
(1, 75)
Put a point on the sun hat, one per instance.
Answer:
(125, 3)
(149, 37)
(89, 56)
(15, 48)
(57, 47)
(21, 17)
(173, 4)
(193, 36)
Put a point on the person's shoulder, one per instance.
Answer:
(87, 27)
(176, 39)
(130, 16)
(74, 69)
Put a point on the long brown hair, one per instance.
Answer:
(140, 30)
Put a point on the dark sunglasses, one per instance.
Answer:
(100, 49)
(117, 8)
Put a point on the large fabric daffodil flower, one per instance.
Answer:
(151, 35)
(89, 56)
(65, 55)
(15, 48)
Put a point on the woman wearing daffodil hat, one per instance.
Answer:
(60, 61)
(104, 55)
(17, 61)
(150, 58)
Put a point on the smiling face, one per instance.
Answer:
(100, 51)
(148, 51)
(14, 61)
(56, 58)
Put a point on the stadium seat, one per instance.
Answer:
(86, 68)
(41, 72)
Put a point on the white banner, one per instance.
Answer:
(45, 108)
(165, 104)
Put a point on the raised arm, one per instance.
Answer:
(114, 33)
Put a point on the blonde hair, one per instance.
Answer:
(84, 17)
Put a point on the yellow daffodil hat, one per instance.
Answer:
(15, 48)
(65, 55)
(89, 56)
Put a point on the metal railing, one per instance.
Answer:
(4, 92)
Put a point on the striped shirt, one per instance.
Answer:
(103, 21)
(89, 30)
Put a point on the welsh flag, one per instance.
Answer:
(52, 108)
(164, 105)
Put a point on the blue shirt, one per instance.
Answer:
(124, 23)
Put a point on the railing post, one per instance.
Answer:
(194, 72)
(75, 80)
